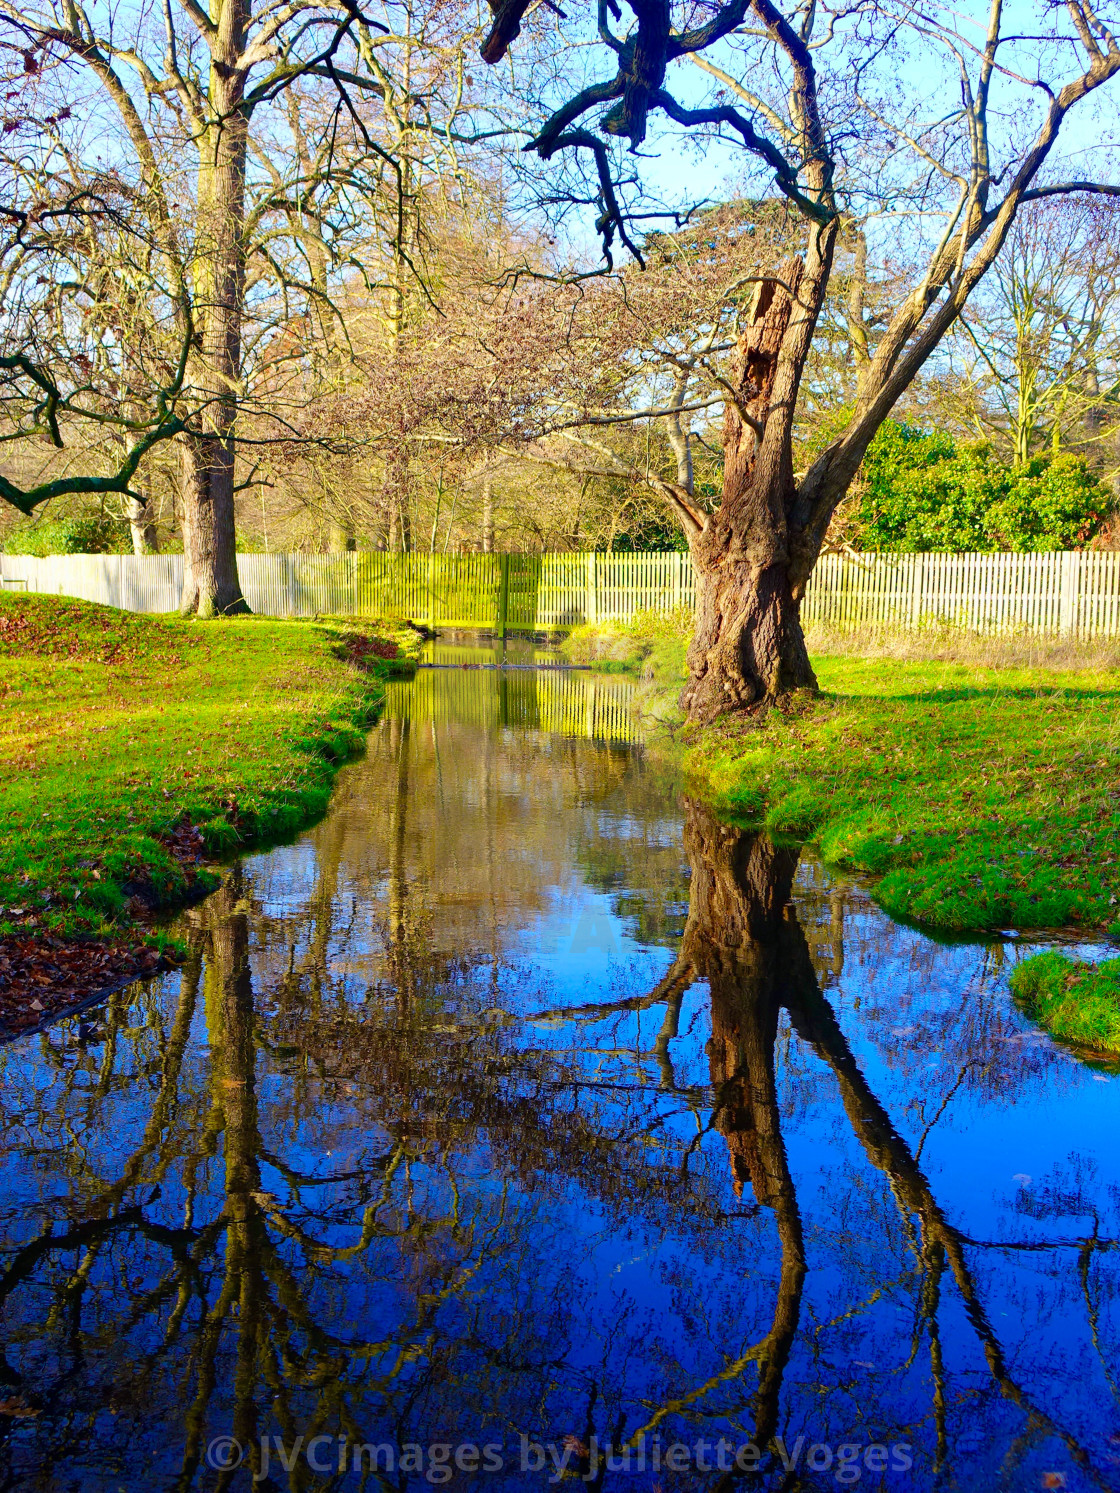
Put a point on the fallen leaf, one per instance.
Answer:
(18, 1408)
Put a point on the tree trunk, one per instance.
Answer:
(399, 521)
(144, 538)
(210, 584)
(340, 538)
(748, 649)
(487, 516)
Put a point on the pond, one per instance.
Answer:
(522, 1125)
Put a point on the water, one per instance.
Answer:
(521, 1103)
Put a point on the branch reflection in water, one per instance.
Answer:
(522, 1097)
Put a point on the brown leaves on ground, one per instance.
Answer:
(185, 841)
(359, 648)
(42, 977)
(64, 629)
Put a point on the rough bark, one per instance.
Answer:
(145, 541)
(210, 584)
(748, 648)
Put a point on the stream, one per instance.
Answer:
(523, 1125)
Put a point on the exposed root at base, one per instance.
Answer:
(735, 720)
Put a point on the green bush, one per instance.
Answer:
(921, 491)
(74, 534)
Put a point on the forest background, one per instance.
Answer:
(433, 355)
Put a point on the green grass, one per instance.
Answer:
(117, 730)
(1076, 1002)
(652, 645)
(980, 797)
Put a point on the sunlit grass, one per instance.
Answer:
(115, 728)
(980, 796)
(1075, 1001)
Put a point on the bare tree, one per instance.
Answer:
(1041, 346)
(93, 369)
(823, 105)
(242, 127)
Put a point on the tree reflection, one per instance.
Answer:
(390, 1197)
(743, 938)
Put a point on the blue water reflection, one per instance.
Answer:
(520, 1109)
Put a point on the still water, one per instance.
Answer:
(521, 1110)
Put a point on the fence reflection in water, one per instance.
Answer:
(561, 701)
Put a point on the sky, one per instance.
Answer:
(915, 81)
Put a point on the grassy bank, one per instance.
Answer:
(1077, 1002)
(133, 747)
(980, 796)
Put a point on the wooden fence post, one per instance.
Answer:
(590, 610)
(917, 592)
(503, 595)
(1067, 604)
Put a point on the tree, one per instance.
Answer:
(241, 131)
(94, 363)
(1041, 348)
(507, 367)
(834, 140)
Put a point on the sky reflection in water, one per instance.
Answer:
(522, 1099)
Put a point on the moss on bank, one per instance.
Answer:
(130, 744)
(979, 797)
(1076, 1002)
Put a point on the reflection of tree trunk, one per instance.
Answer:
(231, 1016)
(742, 938)
(836, 931)
(400, 962)
(328, 860)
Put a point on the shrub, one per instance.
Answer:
(921, 491)
(75, 534)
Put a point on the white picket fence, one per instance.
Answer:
(1072, 593)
